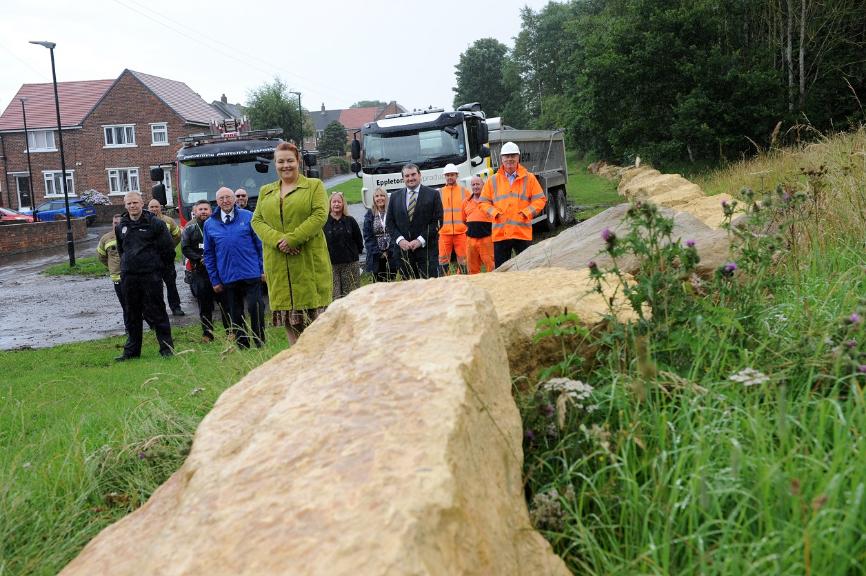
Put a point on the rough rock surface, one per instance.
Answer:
(386, 442)
(522, 299)
(575, 247)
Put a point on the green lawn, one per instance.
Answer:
(85, 440)
(591, 193)
(89, 267)
(351, 190)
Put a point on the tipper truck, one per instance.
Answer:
(466, 138)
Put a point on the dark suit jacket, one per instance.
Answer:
(427, 220)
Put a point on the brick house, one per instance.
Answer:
(352, 120)
(114, 131)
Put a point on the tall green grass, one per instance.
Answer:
(672, 467)
(85, 440)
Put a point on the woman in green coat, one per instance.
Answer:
(289, 217)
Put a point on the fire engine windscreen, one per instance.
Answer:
(200, 179)
(430, 148)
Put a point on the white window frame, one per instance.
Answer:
(51, 176)
(156, 128)
(125, 130)
(34, 144)
(130, 173)
(166, 180)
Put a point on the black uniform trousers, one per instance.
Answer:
(201, 288)
(143, 296)
(169, 276)
(420, 263)
(249, 293)
(502, 250)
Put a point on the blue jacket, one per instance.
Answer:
(232, 251)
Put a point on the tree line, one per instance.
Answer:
(674, 80)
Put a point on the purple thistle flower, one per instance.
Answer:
(549, 410)
(724, 203)
(607, 235)
(690, 243)
(854, 318)
(861, 368)
(851, 344)
(730, 268)
(529, 435)
(592, 264)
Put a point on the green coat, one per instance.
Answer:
(303, 281)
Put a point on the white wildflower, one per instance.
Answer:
(749, 377)
(573, 389)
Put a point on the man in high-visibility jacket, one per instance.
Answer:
(479, 242)
(452, 235)
(512, 198)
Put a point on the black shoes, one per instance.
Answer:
(177, 312)
(166, 353)
(124, 358)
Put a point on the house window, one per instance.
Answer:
(120, 135)
(159, 134)
(123, 180)
(53, 185)
(41, 141)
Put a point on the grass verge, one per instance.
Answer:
(351, 190)
(85, 440)
(89, 266)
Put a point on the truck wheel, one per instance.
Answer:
(562, 215)
(549, 222)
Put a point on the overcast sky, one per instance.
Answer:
(333, 52)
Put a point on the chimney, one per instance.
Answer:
(224, 100)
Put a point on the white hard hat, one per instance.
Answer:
(510, 148)
(450, 169)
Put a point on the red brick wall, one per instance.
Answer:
(17, 238)
(127, 102)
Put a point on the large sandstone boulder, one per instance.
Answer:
(575, 247)
(386, 442)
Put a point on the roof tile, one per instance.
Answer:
(77, 99)
(180, 98)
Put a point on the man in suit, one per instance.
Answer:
(416, 214)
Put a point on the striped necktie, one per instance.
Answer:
(413, 199)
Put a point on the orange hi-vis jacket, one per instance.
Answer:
(512, 206)
(452, 209)
(477, 221)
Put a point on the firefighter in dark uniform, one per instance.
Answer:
(146, 248)
(192, 246)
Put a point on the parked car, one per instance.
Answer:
(8, 216)
(56, 209)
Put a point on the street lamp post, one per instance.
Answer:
(29, 167)
(70, 245)
(301, 117)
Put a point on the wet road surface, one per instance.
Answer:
(38, 311)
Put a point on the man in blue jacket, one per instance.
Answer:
(233, 258)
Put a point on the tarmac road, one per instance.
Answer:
(40, 311)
